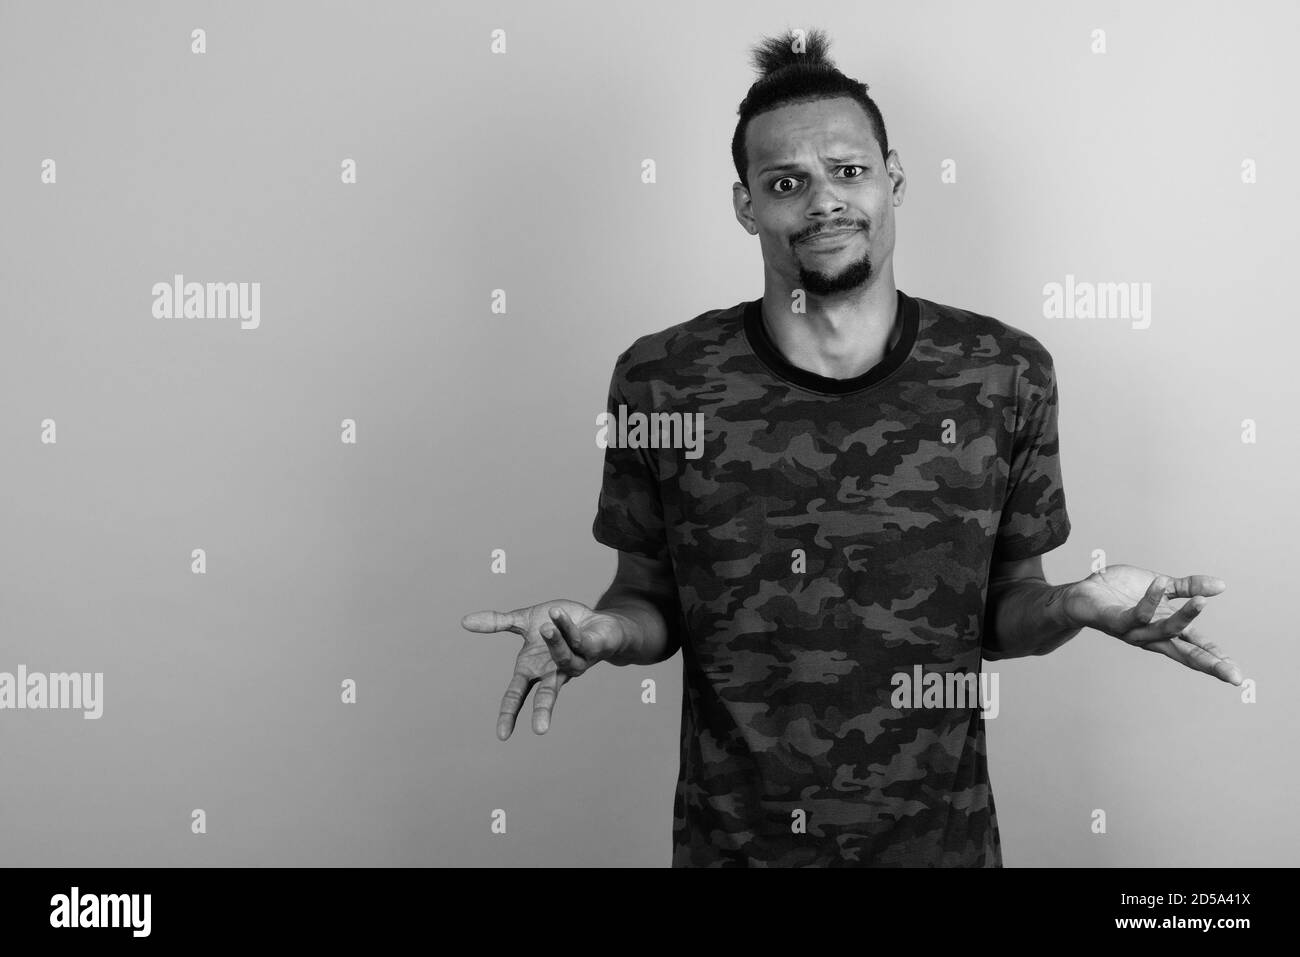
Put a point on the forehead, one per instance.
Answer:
(835, 126)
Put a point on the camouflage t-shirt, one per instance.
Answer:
(827, 535)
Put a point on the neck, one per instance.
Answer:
(838, 337)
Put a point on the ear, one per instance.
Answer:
(894, 170)
(744, 206)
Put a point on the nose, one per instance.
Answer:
(824, 197)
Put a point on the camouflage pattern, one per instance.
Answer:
(787, 673)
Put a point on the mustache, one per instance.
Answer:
(835, 227)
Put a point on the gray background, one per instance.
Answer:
(522, 172)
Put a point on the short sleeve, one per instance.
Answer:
(629, 513)
(1034, 517)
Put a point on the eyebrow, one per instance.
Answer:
(857, 159)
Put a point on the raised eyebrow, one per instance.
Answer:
(834, 160)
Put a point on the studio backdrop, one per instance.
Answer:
(429, 229)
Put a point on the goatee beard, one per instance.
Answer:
(850, 277)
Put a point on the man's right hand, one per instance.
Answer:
(562, 639)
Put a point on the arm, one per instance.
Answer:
(1025, 615)
(644, 596)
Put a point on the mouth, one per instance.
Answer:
(829, 238)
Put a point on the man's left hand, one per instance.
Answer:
(1132, 604)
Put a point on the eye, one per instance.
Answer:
(776, 184)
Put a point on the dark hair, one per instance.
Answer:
(789, 77)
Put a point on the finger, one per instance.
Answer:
(1194, 657)
(1195, 585)
(1175, 623)
(1140, 614)
(564, 658)
(544, 700)
(486, 622)
(568, 630)
(1227, 669)
(510, 704)
(1171, 625)
(1197, 657)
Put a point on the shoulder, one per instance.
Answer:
(990, 341)
(685, 350)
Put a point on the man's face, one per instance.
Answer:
(816, 170)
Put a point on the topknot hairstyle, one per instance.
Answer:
(788, 75)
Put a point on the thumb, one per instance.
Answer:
(603, 637)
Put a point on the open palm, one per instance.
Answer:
(562, 639)
(1132, 604)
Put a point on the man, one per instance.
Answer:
(879, 479)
